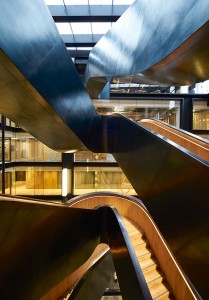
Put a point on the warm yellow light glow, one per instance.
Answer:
(64, 182)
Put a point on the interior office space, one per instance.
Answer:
(31, 168)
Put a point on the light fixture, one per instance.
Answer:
(64, 182)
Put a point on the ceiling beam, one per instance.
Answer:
(79, 53)
(62, 19)
(77, 44)
(158, 96)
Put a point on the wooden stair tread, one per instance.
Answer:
(142, 245)
(158, 289)
(132, 227)
(135, 233)
(152, 274)
(154, 277)
(137, 240)
(166, 297)
(129, 224)
(141, 251)
(132, 231)
(146, 261)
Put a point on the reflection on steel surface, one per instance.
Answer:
(163, 42)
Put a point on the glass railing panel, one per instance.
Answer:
(27, 148)
(138, 109)
(88, 156)
(94, 179)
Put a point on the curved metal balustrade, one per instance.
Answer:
(155, 43)
(43, 243)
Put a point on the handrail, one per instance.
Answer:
(78, 198)
(119, 244)
(50, 241)
(133, 209)
(194, 145)
(186, 133)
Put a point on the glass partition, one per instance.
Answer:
(88, 156)
(138, 109)
(200, 115)
(27, 148)
(33, 181)
(7, 149)
(8, 122)
(94, 179)
(201, 118)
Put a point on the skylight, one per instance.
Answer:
(101, 27)
(100, 2)
(123, 2)
(81, 28)
(89, 2)
(84, 48)
(64, 28)
(53, 2)
(76, 2)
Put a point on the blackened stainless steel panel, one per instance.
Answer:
(33, 54)
(41, 244)
(94, 282)
(162, 42)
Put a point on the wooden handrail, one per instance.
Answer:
(131, 208)
(189, 142)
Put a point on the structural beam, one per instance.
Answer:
(77, 44)
(81, 38)
(90, 18)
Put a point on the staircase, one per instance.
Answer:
(154, 276)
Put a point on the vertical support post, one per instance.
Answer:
(3, 154)
(67, 175)
(186, 114)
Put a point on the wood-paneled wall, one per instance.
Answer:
(41, 179)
